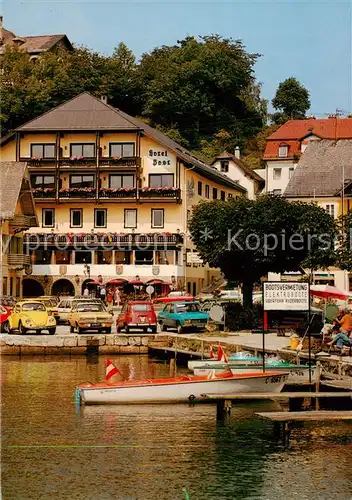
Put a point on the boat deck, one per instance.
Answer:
(305, 416)
(275, 395)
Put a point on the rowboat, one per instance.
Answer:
(183, 389)
(297, 374)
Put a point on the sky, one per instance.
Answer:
(310, 40)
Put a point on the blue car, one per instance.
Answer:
(182, 316)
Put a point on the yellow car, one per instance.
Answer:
(89, 316)
(31, 315)
(50, 305)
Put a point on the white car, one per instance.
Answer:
(230, 294)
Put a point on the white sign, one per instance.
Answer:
(281, 296)
(159, 157)
(149, 289)
(193, 258)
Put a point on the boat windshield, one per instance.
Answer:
(181, 308)
(33, 306)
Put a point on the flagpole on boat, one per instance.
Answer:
(264, 325)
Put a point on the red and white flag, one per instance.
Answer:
(111, 370)
(211, 353)
(221, 355)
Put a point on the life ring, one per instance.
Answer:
(191, 397)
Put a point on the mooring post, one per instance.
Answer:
(172, 367)
(317, 383)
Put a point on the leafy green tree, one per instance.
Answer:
(344, 251)
(292, 101)
(200, 87)
(246, 239)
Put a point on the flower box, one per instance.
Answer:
(117, 192)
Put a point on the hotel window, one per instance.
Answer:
(87, 150)
(83, 257)
(157, 217)
(290, 172)
(121, 149)
(76, 217)
(43, 256)
(161, 180)
(277, 174)
(222, 195)
(215, 193)
(200, 188)
(207, 191)
(229, 195)
(122, 257)
(48, 217)
(103, 257)
(143, 257)
(43, 151)
(330, 210)
(283, 151)
(224, 166)
(121, 181)
(42, 181)
(165, 257)
(81, 181)
(100, 217)
(130, 218)
(63, 256)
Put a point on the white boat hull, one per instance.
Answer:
(297, 375)
(187, 391)
(192, 365)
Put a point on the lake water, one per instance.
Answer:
(53, 449)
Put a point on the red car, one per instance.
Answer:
(4, 318)
(137, 314)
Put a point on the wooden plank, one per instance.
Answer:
(276, 395)
(305, 416)
(338, 384)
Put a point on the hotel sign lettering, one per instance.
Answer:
(160, 157)
(280, 296)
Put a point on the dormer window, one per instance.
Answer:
(283, 151)
(224, 166)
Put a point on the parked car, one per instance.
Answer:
(50, 305)
(5, 312)
(64, 308)
(230, 294)
(182, 315)
(8, 301)
(31, 315)
(89, 316)
(174, 297)
(53, 298)
(137, 314)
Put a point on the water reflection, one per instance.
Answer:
(152, 451)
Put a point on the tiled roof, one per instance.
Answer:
(35, 44)
(86, 112)
(321, 169)
(294, 131)
(227, 156)
(12, 179)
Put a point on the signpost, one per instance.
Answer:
(150, 290)
(286, 296)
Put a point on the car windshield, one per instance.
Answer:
(33, 306)
(89, 308)
(187, 308)
(141, 307)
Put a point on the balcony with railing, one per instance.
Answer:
(40, 162)
(44, 193)
(18, 261)
(76, 192)
(126, 161)
(22, 222)
(78, 161)
(117, 193)
(160, 192)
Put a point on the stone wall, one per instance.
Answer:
(20, 345)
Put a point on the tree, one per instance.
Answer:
(200, 87)
(344, 251)
(292, 101)
(246, 239)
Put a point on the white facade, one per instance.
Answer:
(238, 175)
(278, 175)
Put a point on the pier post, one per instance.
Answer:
(317, 383)
(223, 409)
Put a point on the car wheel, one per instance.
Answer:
(52, 331)
(153, 329)
(5, 327)
(179, 328)
(72, 329)
(118, 329)
(80, 330)
(108, 330)
(127, 329)
(163, 327)
(21, 329)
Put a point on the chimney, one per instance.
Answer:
(1, 27)
(104, 99)
(237, 152)
(18, 41)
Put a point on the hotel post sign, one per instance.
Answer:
(289, 296)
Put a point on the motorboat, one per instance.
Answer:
(184, 389)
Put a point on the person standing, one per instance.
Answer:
(103, 294)
(117, 297)
(86, 292)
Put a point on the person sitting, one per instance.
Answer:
(346, 323)
(341, 340)
(336, 321)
